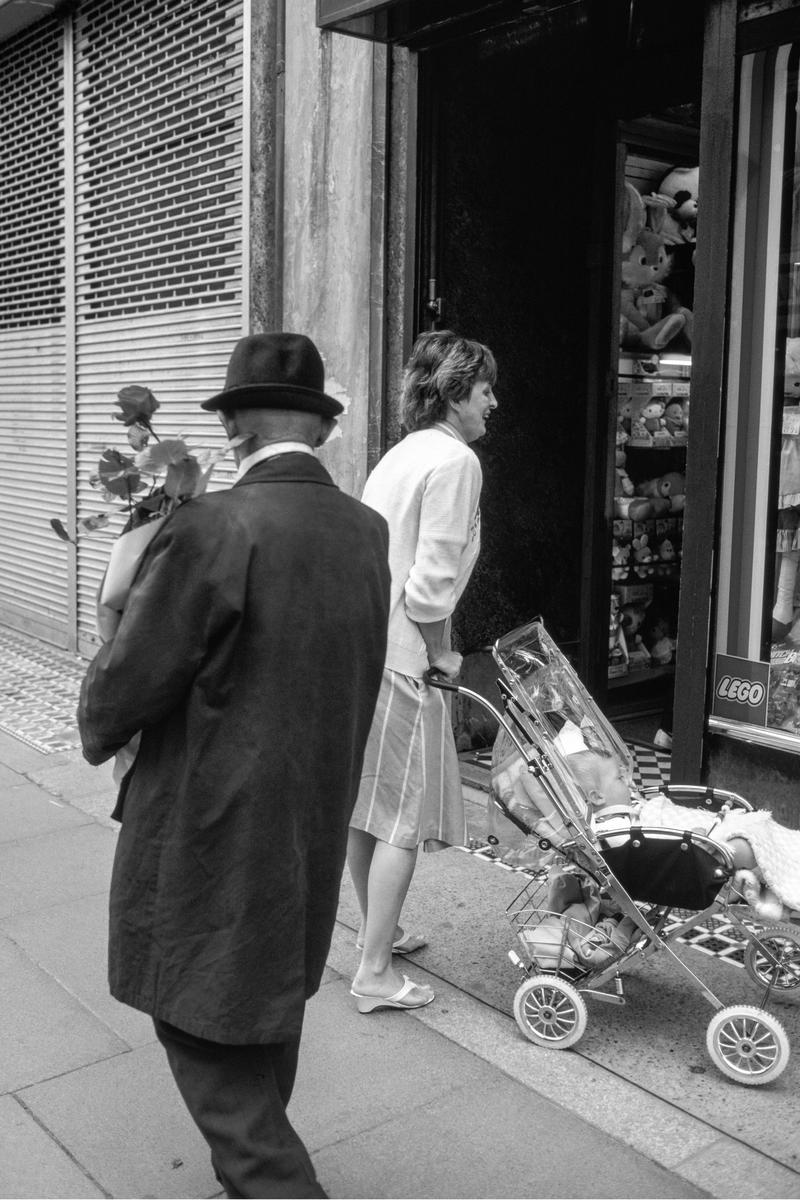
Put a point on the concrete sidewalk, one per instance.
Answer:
(430, 1104)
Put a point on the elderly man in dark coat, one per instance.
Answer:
(249, 655)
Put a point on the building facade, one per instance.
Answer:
(602, 190)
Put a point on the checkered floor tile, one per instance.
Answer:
(650, 765)
(39, 686)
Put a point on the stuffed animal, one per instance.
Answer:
(659, 641)
(624, 414)
(642, 556)
(620, 560)
(674, 421)
(647, 427)
(666, 556)
(680, 222)
(634, 217)
(646, 317)
(624, 481)
(617, 649)
(632, 508)
(669, 486)
(766, 903)
(632, 618)
(652, 416)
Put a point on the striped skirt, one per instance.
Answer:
(410, 783)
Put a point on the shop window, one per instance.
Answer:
(756, 677)
(660, 193)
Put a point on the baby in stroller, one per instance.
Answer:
(766, 855)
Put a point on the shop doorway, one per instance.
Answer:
(523, 160)
(505, 200)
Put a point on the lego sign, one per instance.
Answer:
(741, 687)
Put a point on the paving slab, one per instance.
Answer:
(45, 1030)
(370, 1070)
(10, 778)
(486, 1136)
(26, 810)
(728, 1169)
(33, 1164)
(125, 1123)
(74, 779)
(39, 872)
(19, 756)
(69, 941)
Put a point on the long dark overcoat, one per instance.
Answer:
(250, 654)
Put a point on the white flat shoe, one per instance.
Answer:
(399, 999)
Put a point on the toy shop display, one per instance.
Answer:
(786, 611)
(783, 704)
(652, 425)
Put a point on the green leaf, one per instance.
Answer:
(138, 405)
(138, 436)
(182, 478)
(118, 474)
(58, 528)
(156, 459)
(92, 524)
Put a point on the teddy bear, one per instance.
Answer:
(679, 223)
(671, 486)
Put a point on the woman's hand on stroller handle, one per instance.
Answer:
(444, 668)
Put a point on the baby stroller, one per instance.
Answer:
(606, 891)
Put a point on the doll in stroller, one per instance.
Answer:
(622, 873)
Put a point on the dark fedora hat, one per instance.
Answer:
(275, 370)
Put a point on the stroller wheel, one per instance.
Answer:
(747, 1044)
(550, 1011)
(778, 964)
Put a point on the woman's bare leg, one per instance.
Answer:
(360, 848)
(390, 873)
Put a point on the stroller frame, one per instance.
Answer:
(747, 1043)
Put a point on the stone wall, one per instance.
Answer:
(328, 244)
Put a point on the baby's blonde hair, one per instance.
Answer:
(585, 767)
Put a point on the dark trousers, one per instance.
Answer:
(237, 1096)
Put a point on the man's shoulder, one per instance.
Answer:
(361, 513)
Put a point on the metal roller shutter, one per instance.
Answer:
(34, 565)
(158, 234)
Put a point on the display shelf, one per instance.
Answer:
(647, 532)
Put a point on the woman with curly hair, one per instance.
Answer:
(428, 488)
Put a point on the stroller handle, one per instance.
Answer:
(437, 680)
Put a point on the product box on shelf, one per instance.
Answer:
(634, 593)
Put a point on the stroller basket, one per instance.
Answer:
(562, 942)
